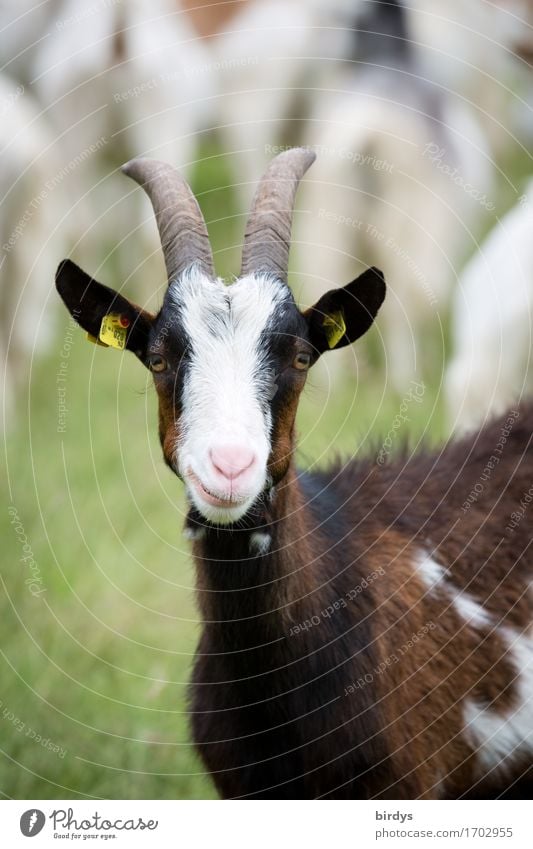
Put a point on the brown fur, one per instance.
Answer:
(213, 16)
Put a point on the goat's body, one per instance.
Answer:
(380, 649)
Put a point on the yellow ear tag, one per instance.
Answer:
(95, 341)
(335, 327)
(113, 330)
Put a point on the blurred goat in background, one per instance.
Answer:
(492, 322)
(390, 139)
(31, 213)
(414, 109)
(132, 78)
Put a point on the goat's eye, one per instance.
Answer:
(157, 363)
(302, 361)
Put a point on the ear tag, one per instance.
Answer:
(113, 330)
(95, 341)
(334, 327)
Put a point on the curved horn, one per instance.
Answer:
(268, 231)
(180, 222)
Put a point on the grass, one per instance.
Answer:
(98, 662)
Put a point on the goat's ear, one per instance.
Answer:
(89, 301)
(342, 315)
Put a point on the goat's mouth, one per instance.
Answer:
(214, 499)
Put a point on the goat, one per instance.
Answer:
(366, 630)
(125, 77)
(491, 322)
(32, 227)
(24, 26)
(414, 164)
(480, 53)
(273, 55)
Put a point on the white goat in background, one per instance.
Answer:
(492, 322)
(132, 78)
(32, 231)
(272, 55)
(475, 50)
(134, 70)
(404, 174)
(24, 26)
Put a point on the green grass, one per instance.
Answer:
(99, 662)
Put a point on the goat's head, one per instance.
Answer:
(228, 362)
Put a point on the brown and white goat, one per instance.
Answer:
(366, 629)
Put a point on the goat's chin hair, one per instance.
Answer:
(222, 516)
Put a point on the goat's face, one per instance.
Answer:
(228, 371)
(229, 364)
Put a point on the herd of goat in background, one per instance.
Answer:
(414, 113)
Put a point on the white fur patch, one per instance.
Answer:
(434, 576)
(429, 570)
(471, 611)
(227, 385)
(260, 542)
(497, 738)
(193, 533)
(500, 738)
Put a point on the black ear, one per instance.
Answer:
(342, 315)
(89, 301)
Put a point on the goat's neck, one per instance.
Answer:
(236, 579)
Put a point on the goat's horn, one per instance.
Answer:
(180, 222)
(268, 231)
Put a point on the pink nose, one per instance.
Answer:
(232, 460)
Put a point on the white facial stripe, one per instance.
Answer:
(227, 382)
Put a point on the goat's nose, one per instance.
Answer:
(231, 460)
